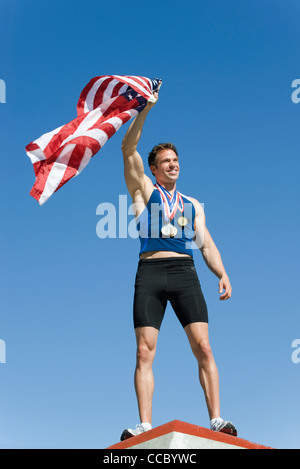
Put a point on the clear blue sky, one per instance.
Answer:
(66, 295)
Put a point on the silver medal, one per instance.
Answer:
(167, 229)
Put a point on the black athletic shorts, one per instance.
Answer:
(174, 279)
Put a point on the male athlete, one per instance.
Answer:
(168, 222)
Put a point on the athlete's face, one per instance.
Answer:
(166, 169)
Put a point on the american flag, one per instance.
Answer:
(105, 104)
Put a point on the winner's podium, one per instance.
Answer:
(181, 435)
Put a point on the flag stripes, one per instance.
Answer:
(104, 105)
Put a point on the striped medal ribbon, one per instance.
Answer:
(170, 205)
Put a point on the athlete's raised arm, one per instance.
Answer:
(210, 252)
(135, 177)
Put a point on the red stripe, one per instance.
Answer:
(144, 85)
(149, 83)
(125, 117)
(31, 146)
(82, 142)
(121, 103)
(75, 159)
(73, 164)
(98, 99)
(86, 141)
(136, 87)
(108, 128)
(41, 180)
(72, 126)
(116, 90)
(37, 166)
(84, 93)
(64, 133)
(88, 87)
(54, 149)
(182, 204)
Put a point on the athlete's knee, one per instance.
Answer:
(145, 354)
(202, 350)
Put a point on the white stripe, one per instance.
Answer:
(115, 121)
(43, 141)
(123, 89)
(91, 118)
(109, 90)
(57, 172)
(145, 80)
(59, 167)
(132, 82)
(98, 135)
(85, 160)
(38, 154)
(182, 203)
(89, 101)
(131, 112)
(165, 203)
(101, 137)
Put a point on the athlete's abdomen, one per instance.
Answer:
(161, 254)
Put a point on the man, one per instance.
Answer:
(166, 271)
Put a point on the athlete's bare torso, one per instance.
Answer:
(161, 254)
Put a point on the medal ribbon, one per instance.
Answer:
(170, 203)
(181, 208)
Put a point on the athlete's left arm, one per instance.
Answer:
(210, 252)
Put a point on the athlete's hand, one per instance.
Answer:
(154, 98)
(224, 284)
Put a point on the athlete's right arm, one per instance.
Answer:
(135, 177)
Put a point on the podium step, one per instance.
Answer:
(181, 435)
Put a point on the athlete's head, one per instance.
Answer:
(164, 163)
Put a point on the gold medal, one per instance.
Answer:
(182, 221)
(173, 231)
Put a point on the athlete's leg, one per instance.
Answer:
(197, 334)
(146, 339)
